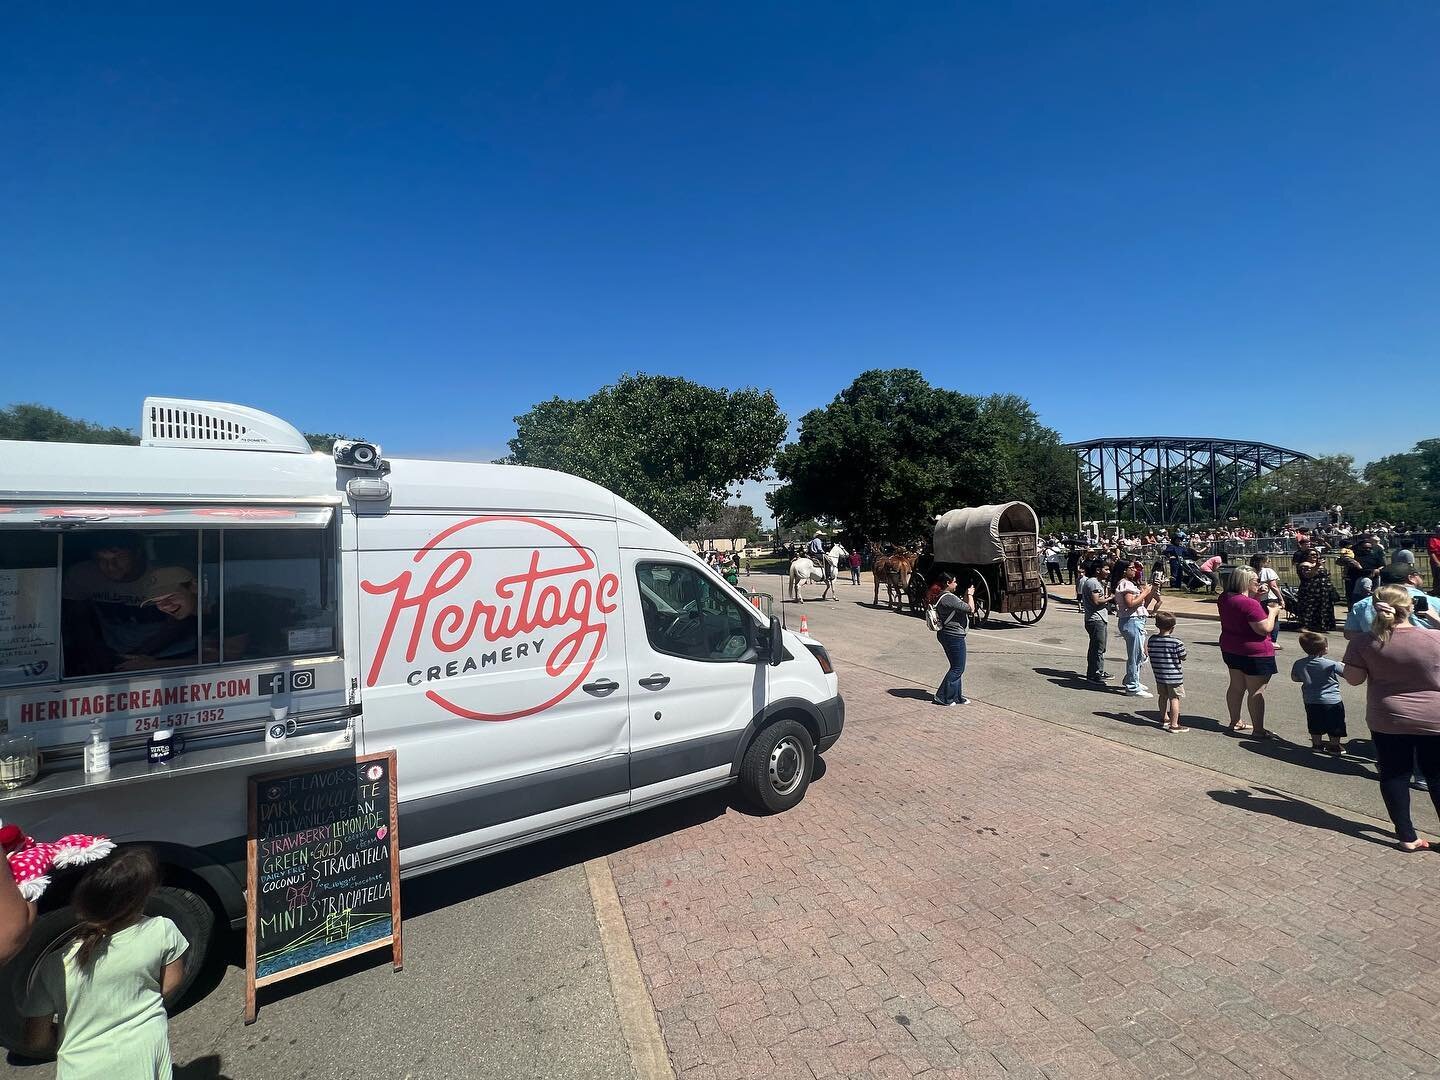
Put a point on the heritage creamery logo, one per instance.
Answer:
(454, 621)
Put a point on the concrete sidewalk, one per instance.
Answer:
(963, 894)
(505, 976)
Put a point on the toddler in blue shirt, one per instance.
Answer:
(1319, 679)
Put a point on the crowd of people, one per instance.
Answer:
(1391, 641)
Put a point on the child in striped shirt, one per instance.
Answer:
(1167, 658)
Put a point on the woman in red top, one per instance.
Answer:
(1245, 645)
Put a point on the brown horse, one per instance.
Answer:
(893, 571)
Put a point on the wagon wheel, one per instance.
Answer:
(982, 596)
(1030, 618)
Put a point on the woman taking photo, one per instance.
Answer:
(953, 615)
(1399, 666)
(1245, 645)
(1269, 587)
(1317, 606)
(1131, 599)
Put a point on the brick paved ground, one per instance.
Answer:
(967, 893)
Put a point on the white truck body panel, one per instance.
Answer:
(482, 612)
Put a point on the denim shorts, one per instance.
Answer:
(1257, 667)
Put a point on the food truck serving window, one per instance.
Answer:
(109, 598)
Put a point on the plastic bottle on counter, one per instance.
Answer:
(97, 751)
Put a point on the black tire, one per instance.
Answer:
(777, 767)
(54, 929)
(1030, 618)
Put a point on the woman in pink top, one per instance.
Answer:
(1399, 664)
(1246, 648)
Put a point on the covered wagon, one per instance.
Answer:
(996, 549)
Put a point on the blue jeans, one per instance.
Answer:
(1133, 631)
(954, 646)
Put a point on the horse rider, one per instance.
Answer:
(816, 550)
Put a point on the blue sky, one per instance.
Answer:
(412, 223)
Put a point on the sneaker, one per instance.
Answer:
(1141, 692)
(1419, 785)
(962, 701)
(936, 698)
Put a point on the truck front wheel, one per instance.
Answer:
(54, 930)
(777, 767)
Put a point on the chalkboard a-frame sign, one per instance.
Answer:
(323, 869)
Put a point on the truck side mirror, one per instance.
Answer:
(777, 641)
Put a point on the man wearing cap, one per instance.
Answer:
(1362, 571)
(122, 614)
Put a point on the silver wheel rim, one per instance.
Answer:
(787, 762)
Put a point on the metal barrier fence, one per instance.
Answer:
(762, 602)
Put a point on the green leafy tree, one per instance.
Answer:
(670, 446)
(1041, 471)
(798, 532)
(325, 444)
(725, 521)
(891, 451)
(1406, 487)
(40, 423)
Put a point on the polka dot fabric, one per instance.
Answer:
(31, 861)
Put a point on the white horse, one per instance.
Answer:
(804, 570)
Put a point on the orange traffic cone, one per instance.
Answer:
(804, 625)
(756, 601)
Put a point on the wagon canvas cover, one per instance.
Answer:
(972, 534)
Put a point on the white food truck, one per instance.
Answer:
(540, 654)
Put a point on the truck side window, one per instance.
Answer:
(131, 601)
(686, 614)
(279, 593)
(29, 609)
(88, 603)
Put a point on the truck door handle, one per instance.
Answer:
(655, 682)
(601, 687)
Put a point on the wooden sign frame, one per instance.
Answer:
(252, 884)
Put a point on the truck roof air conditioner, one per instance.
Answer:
(216, 425)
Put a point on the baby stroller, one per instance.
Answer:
(1291, 599)
(1195, 579)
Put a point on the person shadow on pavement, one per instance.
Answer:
(1303, 754)
(202, 1068)
(1138, 719)
(1289, 808)
(1075, 680)
(912, 693)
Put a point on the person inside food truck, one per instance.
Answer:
(122, 614)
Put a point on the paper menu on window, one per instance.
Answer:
(29, 626)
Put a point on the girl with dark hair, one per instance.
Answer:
(953, 615)
(108, 986)
(1132, 599)
(1269, 587)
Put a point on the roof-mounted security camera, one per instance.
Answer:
(359, 455)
